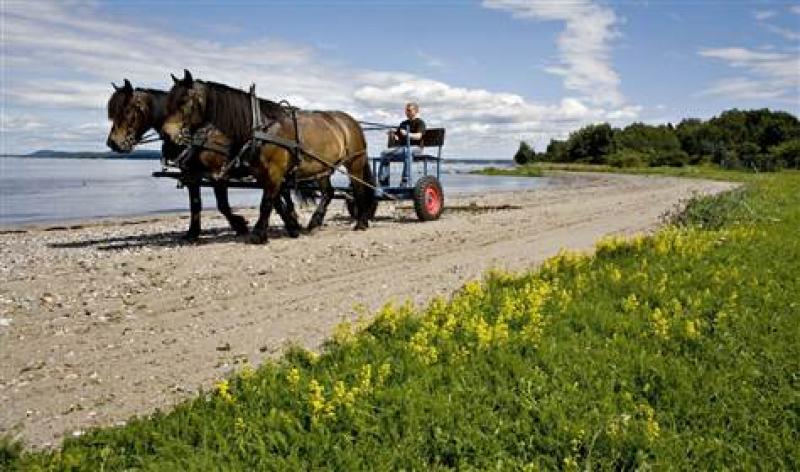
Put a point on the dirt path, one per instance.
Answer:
(105, 321)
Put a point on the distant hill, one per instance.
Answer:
(156, 155)
(49, 153)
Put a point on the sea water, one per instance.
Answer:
(43, 190)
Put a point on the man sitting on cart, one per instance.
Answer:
(410, 129)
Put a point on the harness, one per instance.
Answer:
(260, 137)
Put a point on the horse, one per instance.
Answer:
(300, 145)
(135, 111)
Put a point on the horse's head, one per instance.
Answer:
(186, 105)
(130, 112)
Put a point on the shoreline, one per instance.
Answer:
(107, 321)
(159, 215)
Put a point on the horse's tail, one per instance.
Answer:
(304, 194)
(364, 192)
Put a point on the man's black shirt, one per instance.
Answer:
(413, 126)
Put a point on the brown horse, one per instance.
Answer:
(327, 138)
(135, 111)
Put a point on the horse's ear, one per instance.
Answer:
(187, 76)
(174, 79)
(128, 87)
(115, 86)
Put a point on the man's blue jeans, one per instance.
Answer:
(397, 154)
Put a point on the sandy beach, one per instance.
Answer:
(104, 320)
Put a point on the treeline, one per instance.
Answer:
(758, 139)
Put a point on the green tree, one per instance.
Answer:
(591, 144)
(525, 154)
(556, 151)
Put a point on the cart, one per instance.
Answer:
(425, 168)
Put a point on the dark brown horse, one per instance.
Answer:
(135, 111)
(329, 139)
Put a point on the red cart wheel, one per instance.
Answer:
(428, 198)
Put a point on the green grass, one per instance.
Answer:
(542, 168)
(521, 171)
(676, 351)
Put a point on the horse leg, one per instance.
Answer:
(285, 208)
(326, 189)
(270, 195)
(195, 206)
(237, 222)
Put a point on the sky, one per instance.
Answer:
(492, 72)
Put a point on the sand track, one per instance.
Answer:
(110, 320)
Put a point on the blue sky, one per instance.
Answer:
(492, 72)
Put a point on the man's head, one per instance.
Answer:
(412, 109)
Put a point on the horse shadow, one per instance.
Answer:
(164, 239)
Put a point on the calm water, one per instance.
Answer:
(49, 190)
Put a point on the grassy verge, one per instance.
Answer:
(542, 168)
(678, 350)
(519, 171)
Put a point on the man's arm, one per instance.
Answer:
(401, 132)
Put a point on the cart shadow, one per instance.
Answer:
(166, 239)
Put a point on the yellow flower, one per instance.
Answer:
(690, 328)
(630, 303)
(343, 333)
(223, 390)
(247, 372)
(615, 274)
(293, 377)
(383, 373)
(659, 323)
(316, 399)
(419, 345)
(483, 332)
(365, 378)
(652, 429)
(341, 397)
(239, 424)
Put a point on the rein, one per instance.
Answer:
(149, 137)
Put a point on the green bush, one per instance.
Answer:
(627, 158)
(671, 158)
(10, 451)
(787, 152)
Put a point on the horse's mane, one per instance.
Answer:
(155, 92)
(228, 109)
(116, 104)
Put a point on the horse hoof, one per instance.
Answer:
(360, 227)
(294, 232)
(239, 224)
(191, 237)
(256, 238)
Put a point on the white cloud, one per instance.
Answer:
(770, 75)
(795, 9)
(762, 15)
(65, 55)
(477, 117)
(584, 44)
(787, 34)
